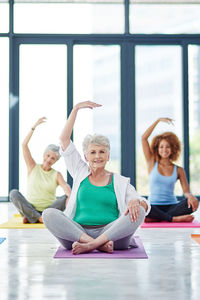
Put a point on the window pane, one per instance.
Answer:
(4, 96)
(42, 93)
(164, 18)
(4, 17)
(194, 117)
(69, 18)
(97, 78)
(158, 94)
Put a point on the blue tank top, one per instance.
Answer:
(162, 187)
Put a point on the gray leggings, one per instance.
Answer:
(27, 210)
(67, 231)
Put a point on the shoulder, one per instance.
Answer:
(180, 171)
(36, 168)
(59, 175)
(121, 178)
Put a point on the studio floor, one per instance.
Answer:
(28, 270)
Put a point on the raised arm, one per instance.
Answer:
(30, 163)
(145, 144)
(67, 130)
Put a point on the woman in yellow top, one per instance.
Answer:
(42, 183)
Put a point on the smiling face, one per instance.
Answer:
(164, 149)
(97, 156)
(49, 159)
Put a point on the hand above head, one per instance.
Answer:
(86, 104)
(67, 130)
(26, 152)
(166, 120)
(39, 121)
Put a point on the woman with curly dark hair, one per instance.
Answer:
(163, 174)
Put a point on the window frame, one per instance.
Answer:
(127, 42)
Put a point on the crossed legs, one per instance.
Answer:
(172, 213)
(71, 235)
(27, 210)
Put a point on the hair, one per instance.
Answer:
(96, 139)
(54, 149)
(173, 141)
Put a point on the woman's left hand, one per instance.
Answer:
(133, 209)
(192, 202)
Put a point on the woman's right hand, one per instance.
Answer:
(86, 104)
(39, 121)
(166, 120)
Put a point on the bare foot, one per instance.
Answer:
(25, 220)
(78, 248)
(149, 220)
(184, 218)
(107, 247)
(40, 220)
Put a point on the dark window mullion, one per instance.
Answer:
(128, 151)
(185, 109)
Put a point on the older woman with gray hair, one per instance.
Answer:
(104, 209)
(42, 183)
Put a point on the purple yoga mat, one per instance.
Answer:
(132, 253)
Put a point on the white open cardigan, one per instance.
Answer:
(79, 170)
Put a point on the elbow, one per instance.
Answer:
(24, 145)
(144, 138)
(64, 142)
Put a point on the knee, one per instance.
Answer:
(13, 194)
(49, 214)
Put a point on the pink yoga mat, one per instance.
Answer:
(133, 253)
(164, 224)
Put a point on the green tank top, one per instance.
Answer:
(41, 187)
(96, 205)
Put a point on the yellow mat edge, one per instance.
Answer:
(19, 224)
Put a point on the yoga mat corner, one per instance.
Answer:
(2, 240)
(16, 222)
(196, 238)
(132, 253)
(163, 224)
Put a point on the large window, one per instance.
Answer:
(42, 93)
(69, 17)
(164, 17)
(4, 16)
(4, 97)
(158, 94)
(194, 117)
(130, 56)
(97, 78)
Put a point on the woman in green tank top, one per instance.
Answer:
(42, 183)
(104, 209)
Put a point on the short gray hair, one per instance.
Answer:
(53, 148)
(96, 139)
